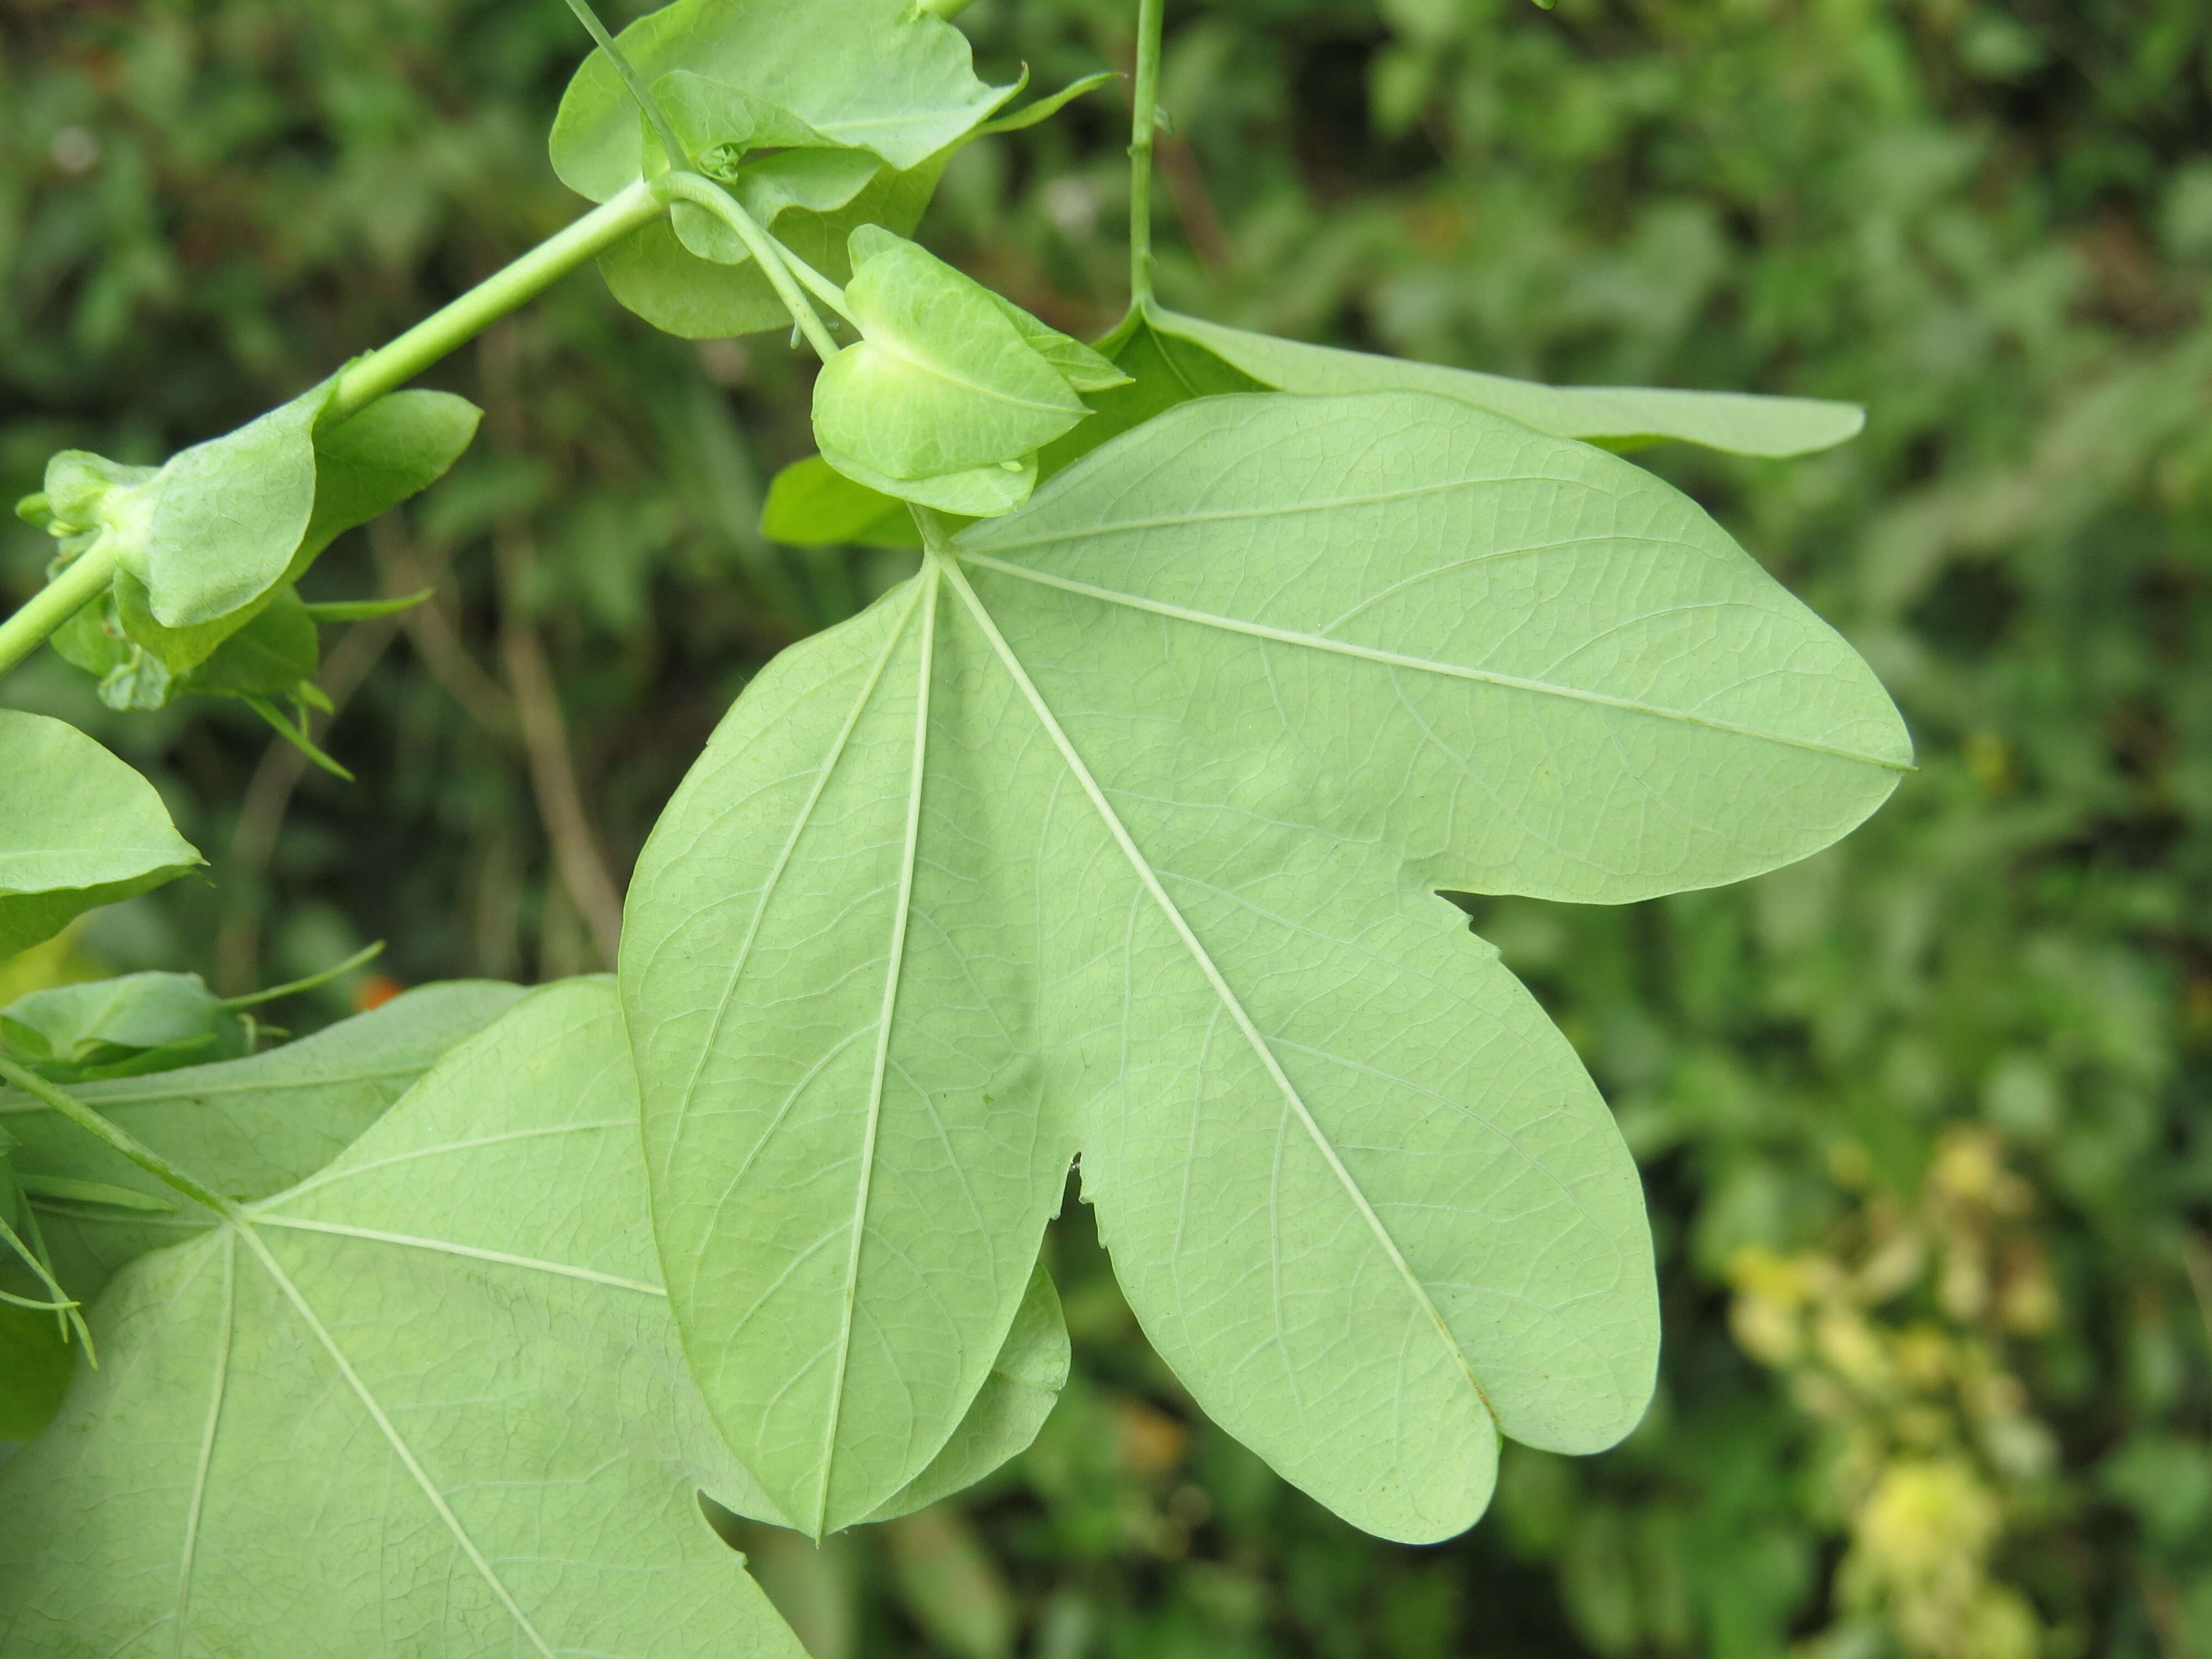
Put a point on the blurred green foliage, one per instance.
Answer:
(1927, 1121)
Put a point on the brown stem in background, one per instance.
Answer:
(1194, 202)
(535, 698)
(269, 797)
(431, 630)
(576, 854)
(1194, 205)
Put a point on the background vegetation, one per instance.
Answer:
(1924, 1121)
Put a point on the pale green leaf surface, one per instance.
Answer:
(370, 463)
(1622, 417)
(878, 75)
(428, 1401)
(249, 1128)
(825, 967)
(1019, 1394)
(78, 829)
(1527, 666)
(716, 120)
(810, 504)
(227, 515)
(1289, 664)
(942, 380)
(651, 273)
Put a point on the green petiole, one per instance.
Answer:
(121, 1140)
(362, 383)
(361, 958)
(1145, 101)
(705, 193)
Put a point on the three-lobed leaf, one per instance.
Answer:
(428, 1401)
(1131, 809)
(78, 830)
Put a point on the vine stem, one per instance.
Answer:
(1144, 123)
(83, 580)
(705, 193)
(361, 382)
(61, 1101)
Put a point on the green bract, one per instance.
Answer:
(812, 504)
(395, 448)
(951, 389)
(820, 120)
(78, 829)
(881, 75)
(427, 1400)
(1120, 827)
(122, 1027)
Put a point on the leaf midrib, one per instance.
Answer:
(864, 1187)
(1425, 665)
(1210, 970)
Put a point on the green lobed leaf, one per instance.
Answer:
(249, 1126)
(1142, 795)
(810, 504)
(426, 1401)
(878, 75)
(1617, 417)
(943, 381)
(78, 830)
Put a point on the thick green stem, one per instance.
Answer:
(81, 580)
(1143, 124)
(445, 330)
(68, 1106)
(706, 193)
(362, 383)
